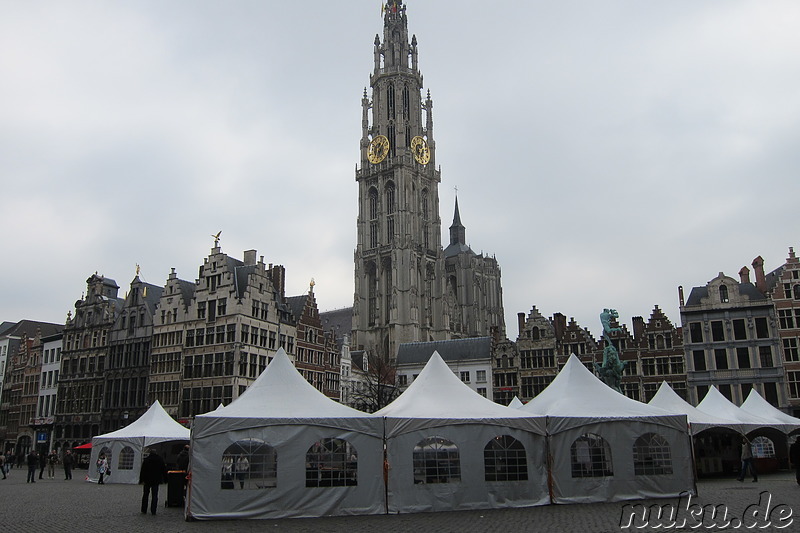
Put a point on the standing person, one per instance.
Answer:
(747, 461)
(42, 464)
(69, 461)
(52, 460)
(33, 463)
(152, 474)
(183, 459)
(102, 467)
(794, 455)
(3, 464)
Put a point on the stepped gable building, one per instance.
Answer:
(731, 340)
(128, 365)
(21, 387)
(11, 334)
(660, 354)
(81, 383)
(783, 286)
(166, 358)
(407, 288)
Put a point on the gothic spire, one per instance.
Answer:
(458, 233)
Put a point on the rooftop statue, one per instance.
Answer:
(611, 369)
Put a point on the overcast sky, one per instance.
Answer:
(604, 152)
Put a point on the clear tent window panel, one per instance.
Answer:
(436, 460)
(249, 464)
(504, 459)
(652, 455)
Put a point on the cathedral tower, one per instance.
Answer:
(404, 288)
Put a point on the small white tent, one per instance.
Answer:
(755, 404)
(449, 448)
(284, 449)
(605, 446)
(714, 403)
(123, 447)
(668, 400)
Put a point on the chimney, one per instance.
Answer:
(680, 295)
(638, 327)
(521, 322)
(560, 325)
(249, 257)
(761, 280)
(744, 275)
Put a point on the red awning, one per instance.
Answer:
(87, 446)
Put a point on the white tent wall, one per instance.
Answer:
(290, 497)
(115, 446)
(624, 484)
(473, 491)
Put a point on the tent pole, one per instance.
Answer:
(548, 460)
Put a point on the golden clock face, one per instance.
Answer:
(378, 149)
(419, 147)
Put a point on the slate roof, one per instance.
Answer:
(241, 275)
(455, 350)
(296, 305)
(745, 289)
(29, 328)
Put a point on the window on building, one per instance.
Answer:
(590, 456)
(702, 390)
(696, 331)
(725, 390)
(465, 376)
(651, 455)
(650, 390)
(765, 356)
(771, 393)
(790, 349)
(480, 376)
(739, 329)
(723, 294)
(436, 460)
(743, 357)
(721, 358)
(249, 464)
(762, 329)
(717, 331)
(331, 463)
(402, 380)
(786, 318)
(201, 310)
(504, 459)
(126, 456)
(482, 391)
(793, 382)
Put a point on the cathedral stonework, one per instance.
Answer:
(407, 287)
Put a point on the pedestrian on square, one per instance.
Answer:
(10, 458)
(794, 455)
(68, 461)
(151, 475)
(52, 460)
(102, 467)
(242, 466)
(747, 461)
(42, 464)
(3, 464)
(33, 464)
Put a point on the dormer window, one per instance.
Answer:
(723, 294)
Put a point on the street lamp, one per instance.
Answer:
(125, 415)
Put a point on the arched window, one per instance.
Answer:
(436, 460)
(126, 458)
(590, 456)
(390, 198)
(373, 203)
(796, 290)
(105, 450)
(723, 294)
(651, 455)
(249, 464)
(424, 203)
(535, 333)
(504, 459)
(331, 463)
(763, 447)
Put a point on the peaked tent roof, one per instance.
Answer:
(716, 404)
(576, 394)
(516, 403)
(437, 394)
(282, 392)
(666, 398)
(755, 404)
(154, 426)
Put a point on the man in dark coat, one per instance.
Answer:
(42, 464)
(33, 463)
(153, 473)
(794, 455)
(69, 462)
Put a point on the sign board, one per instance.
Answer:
(41, 436)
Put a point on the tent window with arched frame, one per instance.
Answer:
(436, 460)
(651, 455)
(504, 459)
(590, 456)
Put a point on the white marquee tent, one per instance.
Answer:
(755, 404)
(605, 446)
(714, 403)
(284, 449)
(668, 400)
(450, 448)
(123, 448)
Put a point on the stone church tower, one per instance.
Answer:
(401, 280)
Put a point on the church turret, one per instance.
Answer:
(458, 233)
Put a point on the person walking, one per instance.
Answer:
(102, 467)
(151, 475)
(794, 455)
(68, 462)
(747, 461)
(33, 463)
(52, 460)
